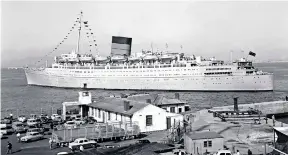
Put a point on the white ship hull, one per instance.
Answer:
(251, 82)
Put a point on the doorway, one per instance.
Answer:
(84, 85)
(168, 122)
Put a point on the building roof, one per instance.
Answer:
(156, 99)
(204, 135)
(116, 105)
(283, 130)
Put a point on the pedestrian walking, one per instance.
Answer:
(50, 143)
(18, 136)
(273, 118)
(9, 148)
(249, 152)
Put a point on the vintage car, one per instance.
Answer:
(224, 152)
(82, 142)
(79, 121)
(70, 125)
(53, 116)
(6, 129)
(22, 119)
(40, 130)
(33, 122)
(19, 127)
(32, 136)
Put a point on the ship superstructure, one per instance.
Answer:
(148, 70)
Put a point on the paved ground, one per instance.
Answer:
(42, 146)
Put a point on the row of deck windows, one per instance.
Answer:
(217, 73)
(218, 69)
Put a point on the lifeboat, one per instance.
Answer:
(150, 57)
(166, 56)
(118, 58)
(134, 59)
(100, 58)
(86, 58)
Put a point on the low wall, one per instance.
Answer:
(274, 107)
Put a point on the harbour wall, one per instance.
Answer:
(267, 108)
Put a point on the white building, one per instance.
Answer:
(173, 105)
(110, 109)
(201, 142)
(149, 117)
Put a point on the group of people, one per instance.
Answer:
(238, 153)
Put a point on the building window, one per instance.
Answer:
(208, 143)
(116, 117)
(179, 110)
(109, 115)
(148, 120)
(172, 109)
(99, 114)
(205, 143)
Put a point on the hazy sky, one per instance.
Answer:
(33, 29)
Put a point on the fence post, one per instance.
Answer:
(265, 149)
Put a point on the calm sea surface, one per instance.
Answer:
(15, 94)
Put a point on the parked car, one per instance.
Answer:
(32, 136)
(19, 127)
(6, 121)
(91, 120)
(224, 152)
(82, 142)
(33, 121)
(31, 130)
(22, 119)
(143, 141)
(79, 121)
(6, 129)
(33, 116)
(70, 125)
(53, 116)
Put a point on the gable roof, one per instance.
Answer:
(204, 135)
(116, 105)
(156, 99)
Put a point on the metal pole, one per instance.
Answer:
(79, 32)
(265, 149)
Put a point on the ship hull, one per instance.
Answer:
(185, 83)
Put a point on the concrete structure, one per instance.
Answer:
(84, 98)
(147, 116)
(201, 142)
(173, 105)
(274, 107)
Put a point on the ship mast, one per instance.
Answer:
(79, 33)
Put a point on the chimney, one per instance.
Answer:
(236, 104)
(148, 101)
(177, 96)
(126, 105)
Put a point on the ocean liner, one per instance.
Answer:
(146, 70)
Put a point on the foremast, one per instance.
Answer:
(79, 32)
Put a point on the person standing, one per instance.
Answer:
(9, 148)
(249, 152)
(18, 136)
(50, 143)
(238, 153)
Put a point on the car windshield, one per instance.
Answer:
(70, 122)
(19, 125)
